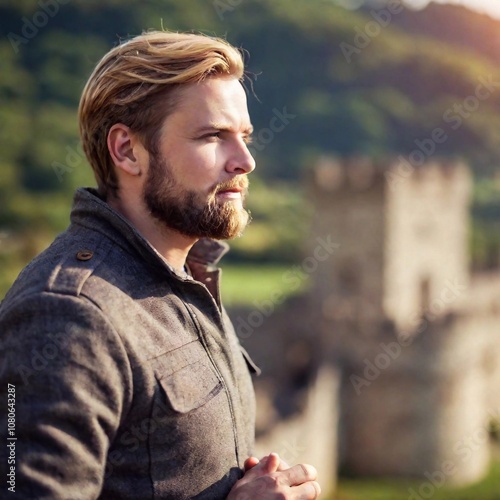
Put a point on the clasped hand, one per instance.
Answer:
(272, 479)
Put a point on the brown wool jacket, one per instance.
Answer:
(130, 382)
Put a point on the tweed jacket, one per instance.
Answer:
(129, 379)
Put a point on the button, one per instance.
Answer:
(84, 255)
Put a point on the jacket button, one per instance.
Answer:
(84, 255)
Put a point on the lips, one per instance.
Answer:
(232, 188)
(230, 194)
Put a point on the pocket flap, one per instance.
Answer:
(191, 387)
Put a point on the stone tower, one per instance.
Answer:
(390, 308)
(402, 233)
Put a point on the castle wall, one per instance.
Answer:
(420, 409)
(481, 305)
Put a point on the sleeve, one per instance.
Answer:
(71, 380)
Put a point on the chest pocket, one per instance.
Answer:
(191, 386)
(186, 377)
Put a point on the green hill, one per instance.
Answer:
(372, 82)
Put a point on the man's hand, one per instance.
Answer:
(251, 462)
(271, 478)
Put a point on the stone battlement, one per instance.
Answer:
(362, 173)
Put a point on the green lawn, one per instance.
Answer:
(243, 285)
(357, 489)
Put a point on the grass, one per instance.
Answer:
(241, 285)
(245, 285)
(384, 489)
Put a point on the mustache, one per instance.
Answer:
(241, 184)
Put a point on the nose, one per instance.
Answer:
(241, 160)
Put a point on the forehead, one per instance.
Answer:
(216, 99)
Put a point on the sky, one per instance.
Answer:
(491, 7)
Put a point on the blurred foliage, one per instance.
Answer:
(377, 100)
(279, 222)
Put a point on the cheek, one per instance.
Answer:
(203, 166)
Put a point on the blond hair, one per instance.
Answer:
(135, 84)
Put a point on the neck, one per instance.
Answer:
(170, 244)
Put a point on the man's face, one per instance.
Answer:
(197, 178)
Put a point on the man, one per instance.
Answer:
(129, 380)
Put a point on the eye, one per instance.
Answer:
(248, 139)
(212, 136)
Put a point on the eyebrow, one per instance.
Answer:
(223, 127)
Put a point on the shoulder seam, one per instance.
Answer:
(69, 277)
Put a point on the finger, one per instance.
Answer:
(250, 462)
(299, 474)
(266, 465)
(307, 491)
(272, 463)
(283, 465)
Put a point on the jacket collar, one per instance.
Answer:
(92, 212)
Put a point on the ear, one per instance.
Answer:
(125, 149)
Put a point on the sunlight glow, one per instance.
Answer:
(491, 7)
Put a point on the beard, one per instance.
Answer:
(193, 214)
